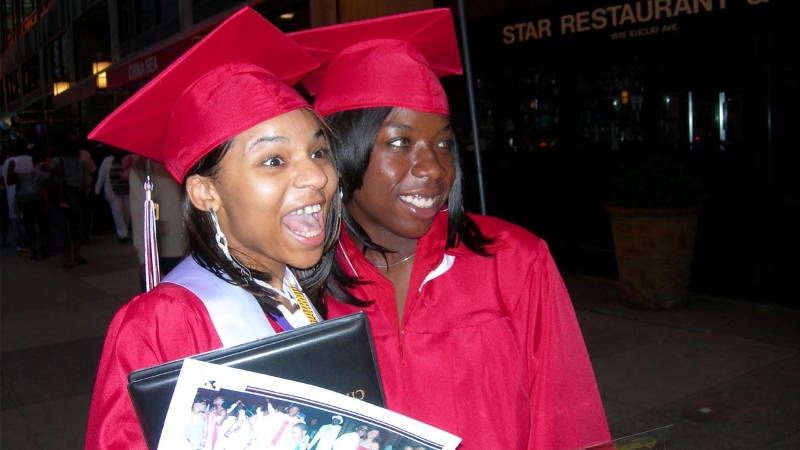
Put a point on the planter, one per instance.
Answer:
(654, 250)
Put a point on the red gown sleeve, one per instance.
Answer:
(566, 409)
(165, 324)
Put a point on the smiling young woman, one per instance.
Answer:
(473, 326)
(258, 182)
(410, 173)
(270, 192)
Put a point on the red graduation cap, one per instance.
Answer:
(389, 61)
(236, 77)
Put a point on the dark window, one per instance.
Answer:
(12, 89)
(18, 16)
(53, 60)
(30, 75)
(137, 17)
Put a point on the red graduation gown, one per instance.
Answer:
(167, 323)
(490, 348)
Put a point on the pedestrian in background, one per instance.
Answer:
(65, 197)
(28, 199)
(88, 199)
(14, 225)
(112, 181)
(102, 220)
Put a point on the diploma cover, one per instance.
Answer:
(336, 354)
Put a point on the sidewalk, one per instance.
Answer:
(725, 374)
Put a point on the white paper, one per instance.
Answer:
(253, 389)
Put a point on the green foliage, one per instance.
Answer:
(656, 182)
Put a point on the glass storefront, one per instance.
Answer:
(566, 98)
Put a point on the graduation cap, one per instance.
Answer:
(236, 77)
(389, 61)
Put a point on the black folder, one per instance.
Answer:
(336, 354)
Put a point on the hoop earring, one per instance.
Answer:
(222, 243)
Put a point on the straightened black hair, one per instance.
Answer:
(356, 131)
(201, 240)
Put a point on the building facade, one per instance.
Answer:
(566, 93)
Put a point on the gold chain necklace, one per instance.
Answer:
(303, 302)
(381, 266)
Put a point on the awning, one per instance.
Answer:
(146, 65)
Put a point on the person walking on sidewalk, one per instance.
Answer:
(88, 199)
(474, 329)
(28, 199)
(65, 196)
(14, 217)
(112, 180)
(258, 196)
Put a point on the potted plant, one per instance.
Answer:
(654, 214)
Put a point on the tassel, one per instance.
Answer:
(152, 272)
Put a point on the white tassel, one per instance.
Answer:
(152, 271)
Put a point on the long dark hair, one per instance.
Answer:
(201, 243)
(356, 131)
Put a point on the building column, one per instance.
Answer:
(185, 9)
(113, 29)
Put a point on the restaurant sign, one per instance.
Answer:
(147, 65)
(624, 20)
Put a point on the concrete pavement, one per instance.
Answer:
(724, 373)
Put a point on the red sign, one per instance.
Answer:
(147, 65)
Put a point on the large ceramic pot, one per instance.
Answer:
(654, 250)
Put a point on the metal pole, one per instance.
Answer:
(472, 112)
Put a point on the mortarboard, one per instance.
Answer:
(388, 61)
(236, 77)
